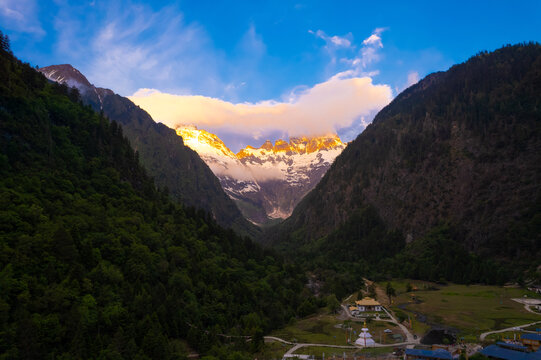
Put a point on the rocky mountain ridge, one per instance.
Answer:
(460, 148)
(172, 164)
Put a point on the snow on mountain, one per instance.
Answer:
(70, 76)
(222, 161)
(266, 182)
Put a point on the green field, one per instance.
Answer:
(470, 309)
(322, 329)
(505, 335)
(272, 350)
(329, 352)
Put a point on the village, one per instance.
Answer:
(389, 329)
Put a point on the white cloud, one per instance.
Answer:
(252, 43)
(123, 57)
(413, 78)
(370, 51)
(354, 59)
(334, 46)
(337, 41)
(322, 109)
(22, 16)
(346, 102)
(340, 41)
(374, 40)
(129, 47)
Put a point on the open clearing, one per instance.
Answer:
(318, 351)
(323, 329)
(469, 309)
(272, 350)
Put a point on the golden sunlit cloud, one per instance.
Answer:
(322, 109)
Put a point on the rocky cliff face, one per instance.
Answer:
(266, 182)
(460, 147)
(161, 151)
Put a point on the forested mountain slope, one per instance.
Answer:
(161, 151)
(97, 263)
(460, 151)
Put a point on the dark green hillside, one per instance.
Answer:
(174, 165)
(161, 151)
(97, 263)
(454, 163)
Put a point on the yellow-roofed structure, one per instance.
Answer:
(368, 304)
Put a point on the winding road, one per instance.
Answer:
(484, 335)
(297, 346)
(527, 303)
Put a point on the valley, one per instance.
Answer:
(125, 238)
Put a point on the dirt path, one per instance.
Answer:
(298, 346)
(380, 293)
(410, 339)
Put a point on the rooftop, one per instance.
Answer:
(499, 352)
(531, 336)
(513, 346)
(435, 354)
(367, 302)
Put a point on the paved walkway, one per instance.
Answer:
(484, 335)
(297, 346)
(273, 338)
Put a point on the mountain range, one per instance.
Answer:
(98, 260)
(454, 159)
(172, 164)
(266, 182)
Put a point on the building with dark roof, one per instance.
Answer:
(533, 341)
(439, 354)
(508, 351)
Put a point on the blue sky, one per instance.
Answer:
(269, 53)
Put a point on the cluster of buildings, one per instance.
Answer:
(529, 348)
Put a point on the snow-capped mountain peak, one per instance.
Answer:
(204, 142)
(267, 182)
(67, 74)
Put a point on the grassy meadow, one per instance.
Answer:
(471, 309)
(324, 329)
(329, 352)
